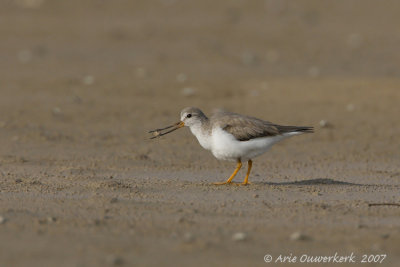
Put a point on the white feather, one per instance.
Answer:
(224, 146)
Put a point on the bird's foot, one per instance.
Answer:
(245, 183)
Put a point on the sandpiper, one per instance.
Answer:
(232, 136)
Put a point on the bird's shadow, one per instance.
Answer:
(317, 181)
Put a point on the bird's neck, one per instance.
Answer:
(202, 132)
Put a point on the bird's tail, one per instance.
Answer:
(296, 129)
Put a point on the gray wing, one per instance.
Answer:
(245, 128)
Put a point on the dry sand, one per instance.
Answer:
(83, 81)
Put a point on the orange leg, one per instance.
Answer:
(238, 166)
(246, 179)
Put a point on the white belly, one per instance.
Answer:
(224, 146)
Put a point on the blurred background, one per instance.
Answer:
(90, 63)
(82, 81)
(102, 72)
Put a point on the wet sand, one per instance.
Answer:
(82, 83)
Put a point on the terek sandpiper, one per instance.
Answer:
(232, 136)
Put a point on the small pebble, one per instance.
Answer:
(114, 200)
(51, 219)
(299, 236)
(188, 91)
(24, 56)
(181, 77)
(325, 124)
(142, 157)
(360, 226)
(88, 80)
(2, 220)
(350, 107)
(240, 236)
(141, 72)
(115, 260)
(314, 72)
(385, 236)
(188, 237)
(255, 195)
(56, 111)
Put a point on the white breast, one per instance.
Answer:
(203, 138)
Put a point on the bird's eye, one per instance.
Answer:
(188, 115)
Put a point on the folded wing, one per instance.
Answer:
(245, 128)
